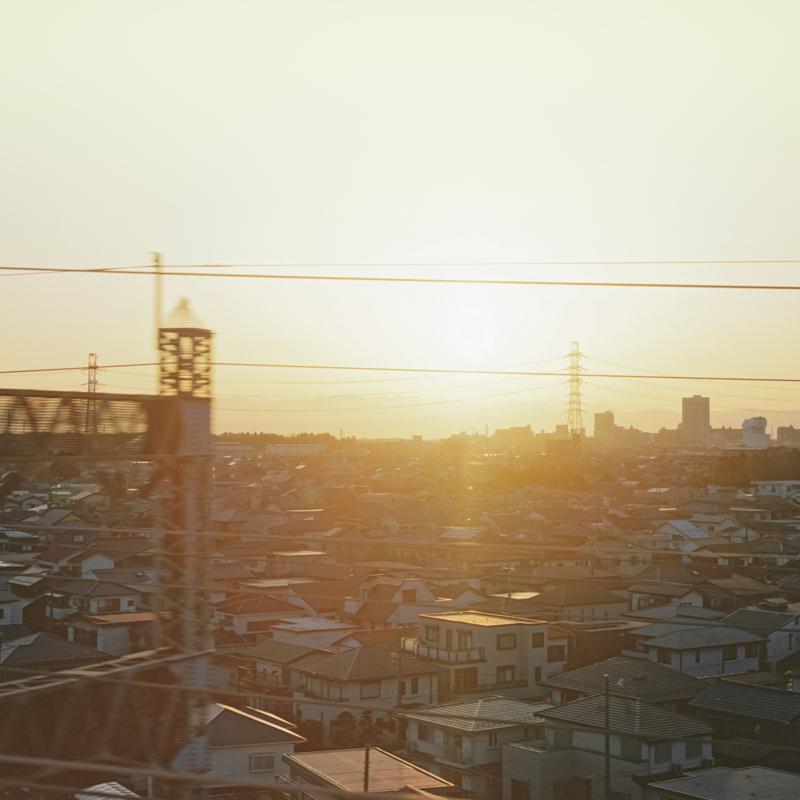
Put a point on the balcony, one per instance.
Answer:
(455, 755)
(471, 655)
(486, 688)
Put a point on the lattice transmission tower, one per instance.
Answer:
(574, 406)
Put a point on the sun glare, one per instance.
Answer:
(471, 331)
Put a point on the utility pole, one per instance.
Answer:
(366, 766)
(575, 407)
(157, 299)
(607, 750)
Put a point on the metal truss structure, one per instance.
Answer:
(95, 714)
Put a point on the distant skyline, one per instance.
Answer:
(454, 131)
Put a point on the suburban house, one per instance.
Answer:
(252, 613)
(698, 650)
(374, 678)
(92, 597)
(485, 653)
(647, 594)
(119, 632)
(782, 631)
(244, 743)
(463, 741)
(646, 742)
(739, 710)
(356, 770)
(637, 678)
(579, 600)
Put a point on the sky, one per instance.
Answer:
(380, 132)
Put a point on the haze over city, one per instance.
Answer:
(292, 133)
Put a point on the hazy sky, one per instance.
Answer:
(384, 131)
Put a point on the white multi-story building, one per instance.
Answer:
(488, 653)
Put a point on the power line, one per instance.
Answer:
(438, 280)
(82, 368)
(505, 373)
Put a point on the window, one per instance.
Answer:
(557, 652)
(631, 749)
(696, 656)
(751, 650)
(506, 641)
(131, 603)
(694, 748)
(662, 752)
(432, 633)
(506, 674)
(537, 640)
(464, 640)
(423, 732)
(369, 690)
(262, 762)
(562, 738)
(409, 595)
(415, 686)
(729, 652)
(2, 613)
(492, 738)
(663, 655)
(537, 674)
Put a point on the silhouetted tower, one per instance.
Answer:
(185, 373)
(575, 408)
(90, 427)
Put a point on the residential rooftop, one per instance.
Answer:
(481, 619)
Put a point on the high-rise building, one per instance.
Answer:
(695, 424)
(604, 425)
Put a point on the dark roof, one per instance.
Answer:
(748, 700)
(578, 594)
(255, 604)
(631, 677)
(662, 588)
(700, 636)
(762, 622)
(272, 650)
(89, 588)
(724, 783)
(481, 714)
(325, 596)
(39, 647)
(629, 717)
(232, 727)
(367, 663)
(374, 611)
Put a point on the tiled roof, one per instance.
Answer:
(661, 588)
(255, 604)
(367, 663)
(631, 677)
(579, 594)
(344, 769)
(702, 636)
(90, 588)
(232, 727)
(39, 647)
(374, 611)
(747, 700)
(763, 622)
(483, 714)
(629, 717)
(724, 783)
(272, 650)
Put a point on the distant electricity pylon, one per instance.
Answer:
(91, 388)
(575, 408)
